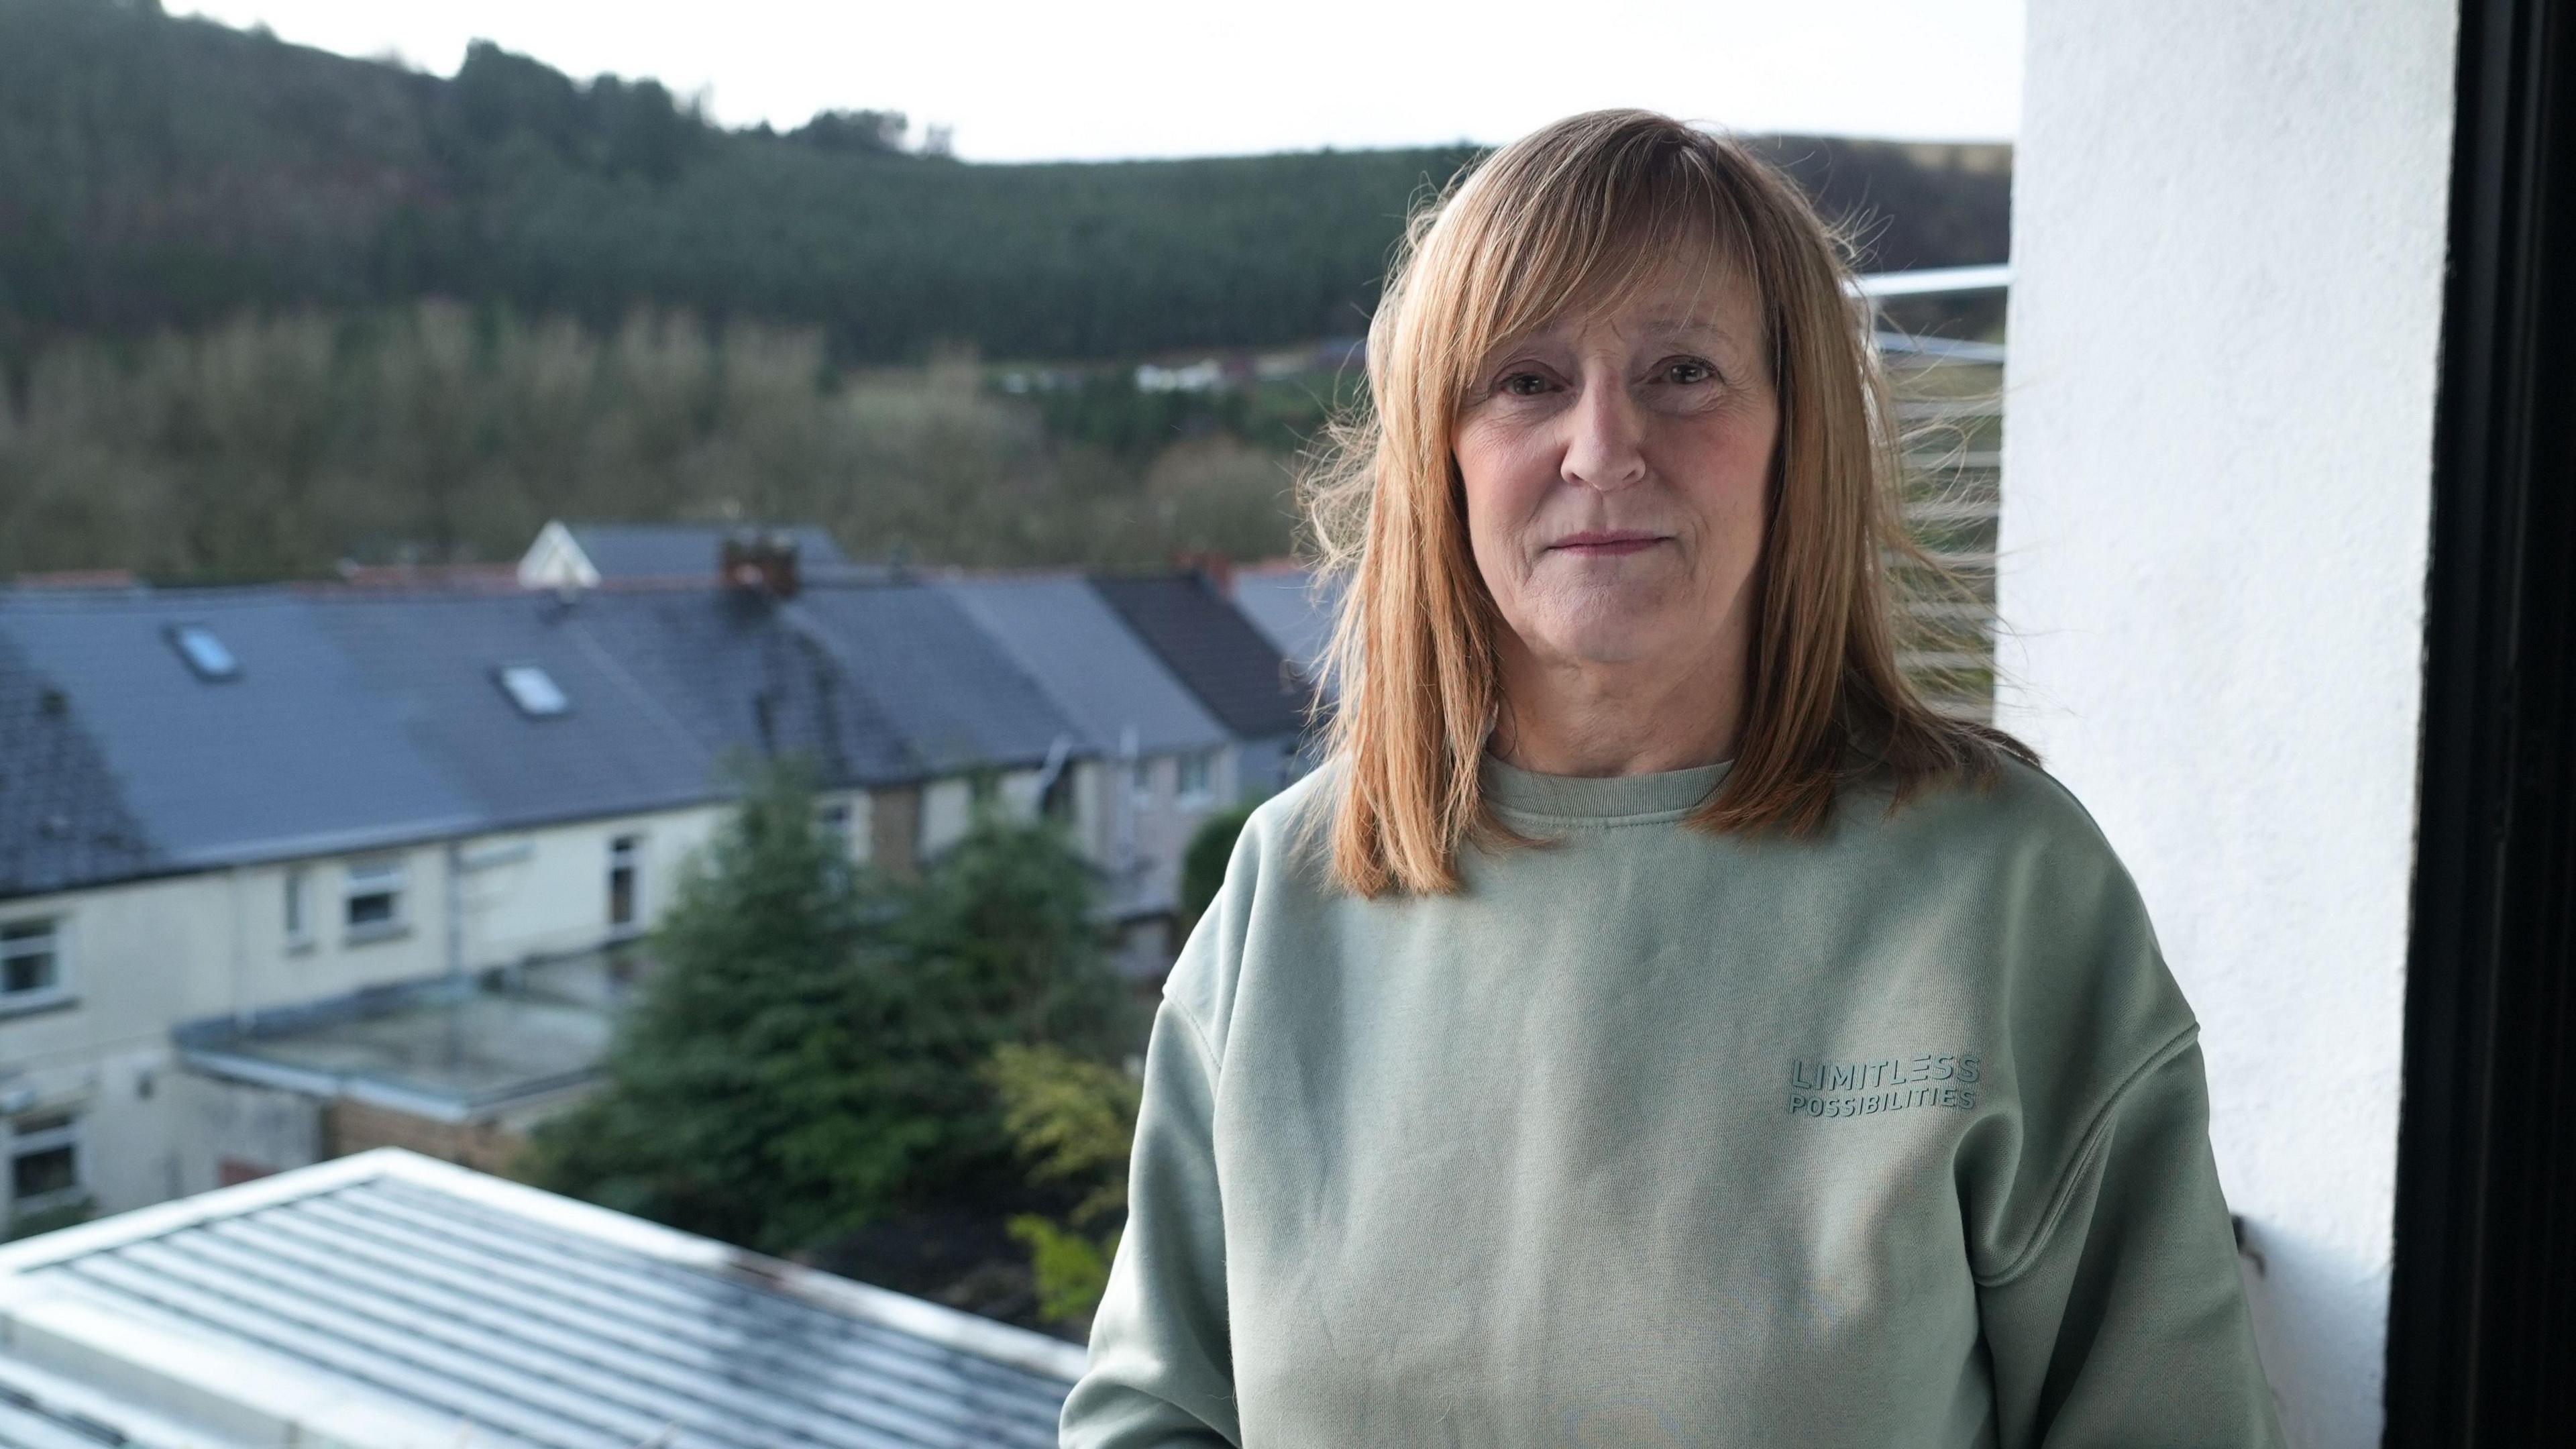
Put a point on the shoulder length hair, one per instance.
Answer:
(1578, 211)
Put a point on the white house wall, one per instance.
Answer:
(144, 956)
(545, 891)
(2228, 242)
(946, 808)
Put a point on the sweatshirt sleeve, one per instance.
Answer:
(2125, 1323)
(1161, 1370)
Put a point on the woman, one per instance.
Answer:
(1655, 1025)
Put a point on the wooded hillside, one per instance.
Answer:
(159, 172)
(264, 308)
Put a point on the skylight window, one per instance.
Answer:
(206, 655)
(533, 690)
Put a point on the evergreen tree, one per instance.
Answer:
(807, 1054)
(740, 1102)
(1075, 1122)
(1203, 861)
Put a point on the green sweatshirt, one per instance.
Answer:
(1897, 1136)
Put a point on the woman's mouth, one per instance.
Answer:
(1604, 543)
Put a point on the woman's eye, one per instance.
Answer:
(1522, 384)
(1688, 370)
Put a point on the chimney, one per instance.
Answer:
(1216, 568)
(760, 559)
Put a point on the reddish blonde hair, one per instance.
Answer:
(1581, 210)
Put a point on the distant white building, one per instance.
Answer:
(586, 555)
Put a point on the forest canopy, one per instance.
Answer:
(160, 172)
(264, 309)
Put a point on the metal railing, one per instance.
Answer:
(1949, 404)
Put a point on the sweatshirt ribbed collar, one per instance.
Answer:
(1663, 794)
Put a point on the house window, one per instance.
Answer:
(835, 820)
(1140, 784)
(372, 902)
(1197, 775)
(44, 1163)
(31, 962)
(205, 654)
(533, 690)
(625, 878)
(299, 912)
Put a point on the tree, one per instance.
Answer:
(741, 1100)
(807, 1054)
(1203, 862)
(1075, 1122)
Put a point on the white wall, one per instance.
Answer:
(2228, 235)
(144, 956)
(948, 806)
(545, 891)
(138, 958)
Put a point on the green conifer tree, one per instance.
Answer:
(809, 1052)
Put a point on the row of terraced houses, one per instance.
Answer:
(288, 872)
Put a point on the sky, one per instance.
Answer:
(1100, 79)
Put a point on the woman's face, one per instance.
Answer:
(1617, 465)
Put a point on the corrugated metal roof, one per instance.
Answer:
(1087, 659)
(40, 1410)
(1239, 675)
(393, 1301)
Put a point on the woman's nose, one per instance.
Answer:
(1606, 449)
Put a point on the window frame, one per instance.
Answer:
(56, 992)
(2482, 1292)
(204, 652)
(532, 690)
(1201, 795)
(356, 873)
(21, 1143)
(839, 819)
(296, 913)
(626, 853)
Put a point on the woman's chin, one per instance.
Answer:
(1608, 640)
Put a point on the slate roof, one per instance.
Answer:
(63, 817)
(1098, 672)
(293, 757)
(366, 718)
(1238, 674)
(947, 687)
(389, 1300)
(1293, 609)
(674, 551)
(429, 663)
